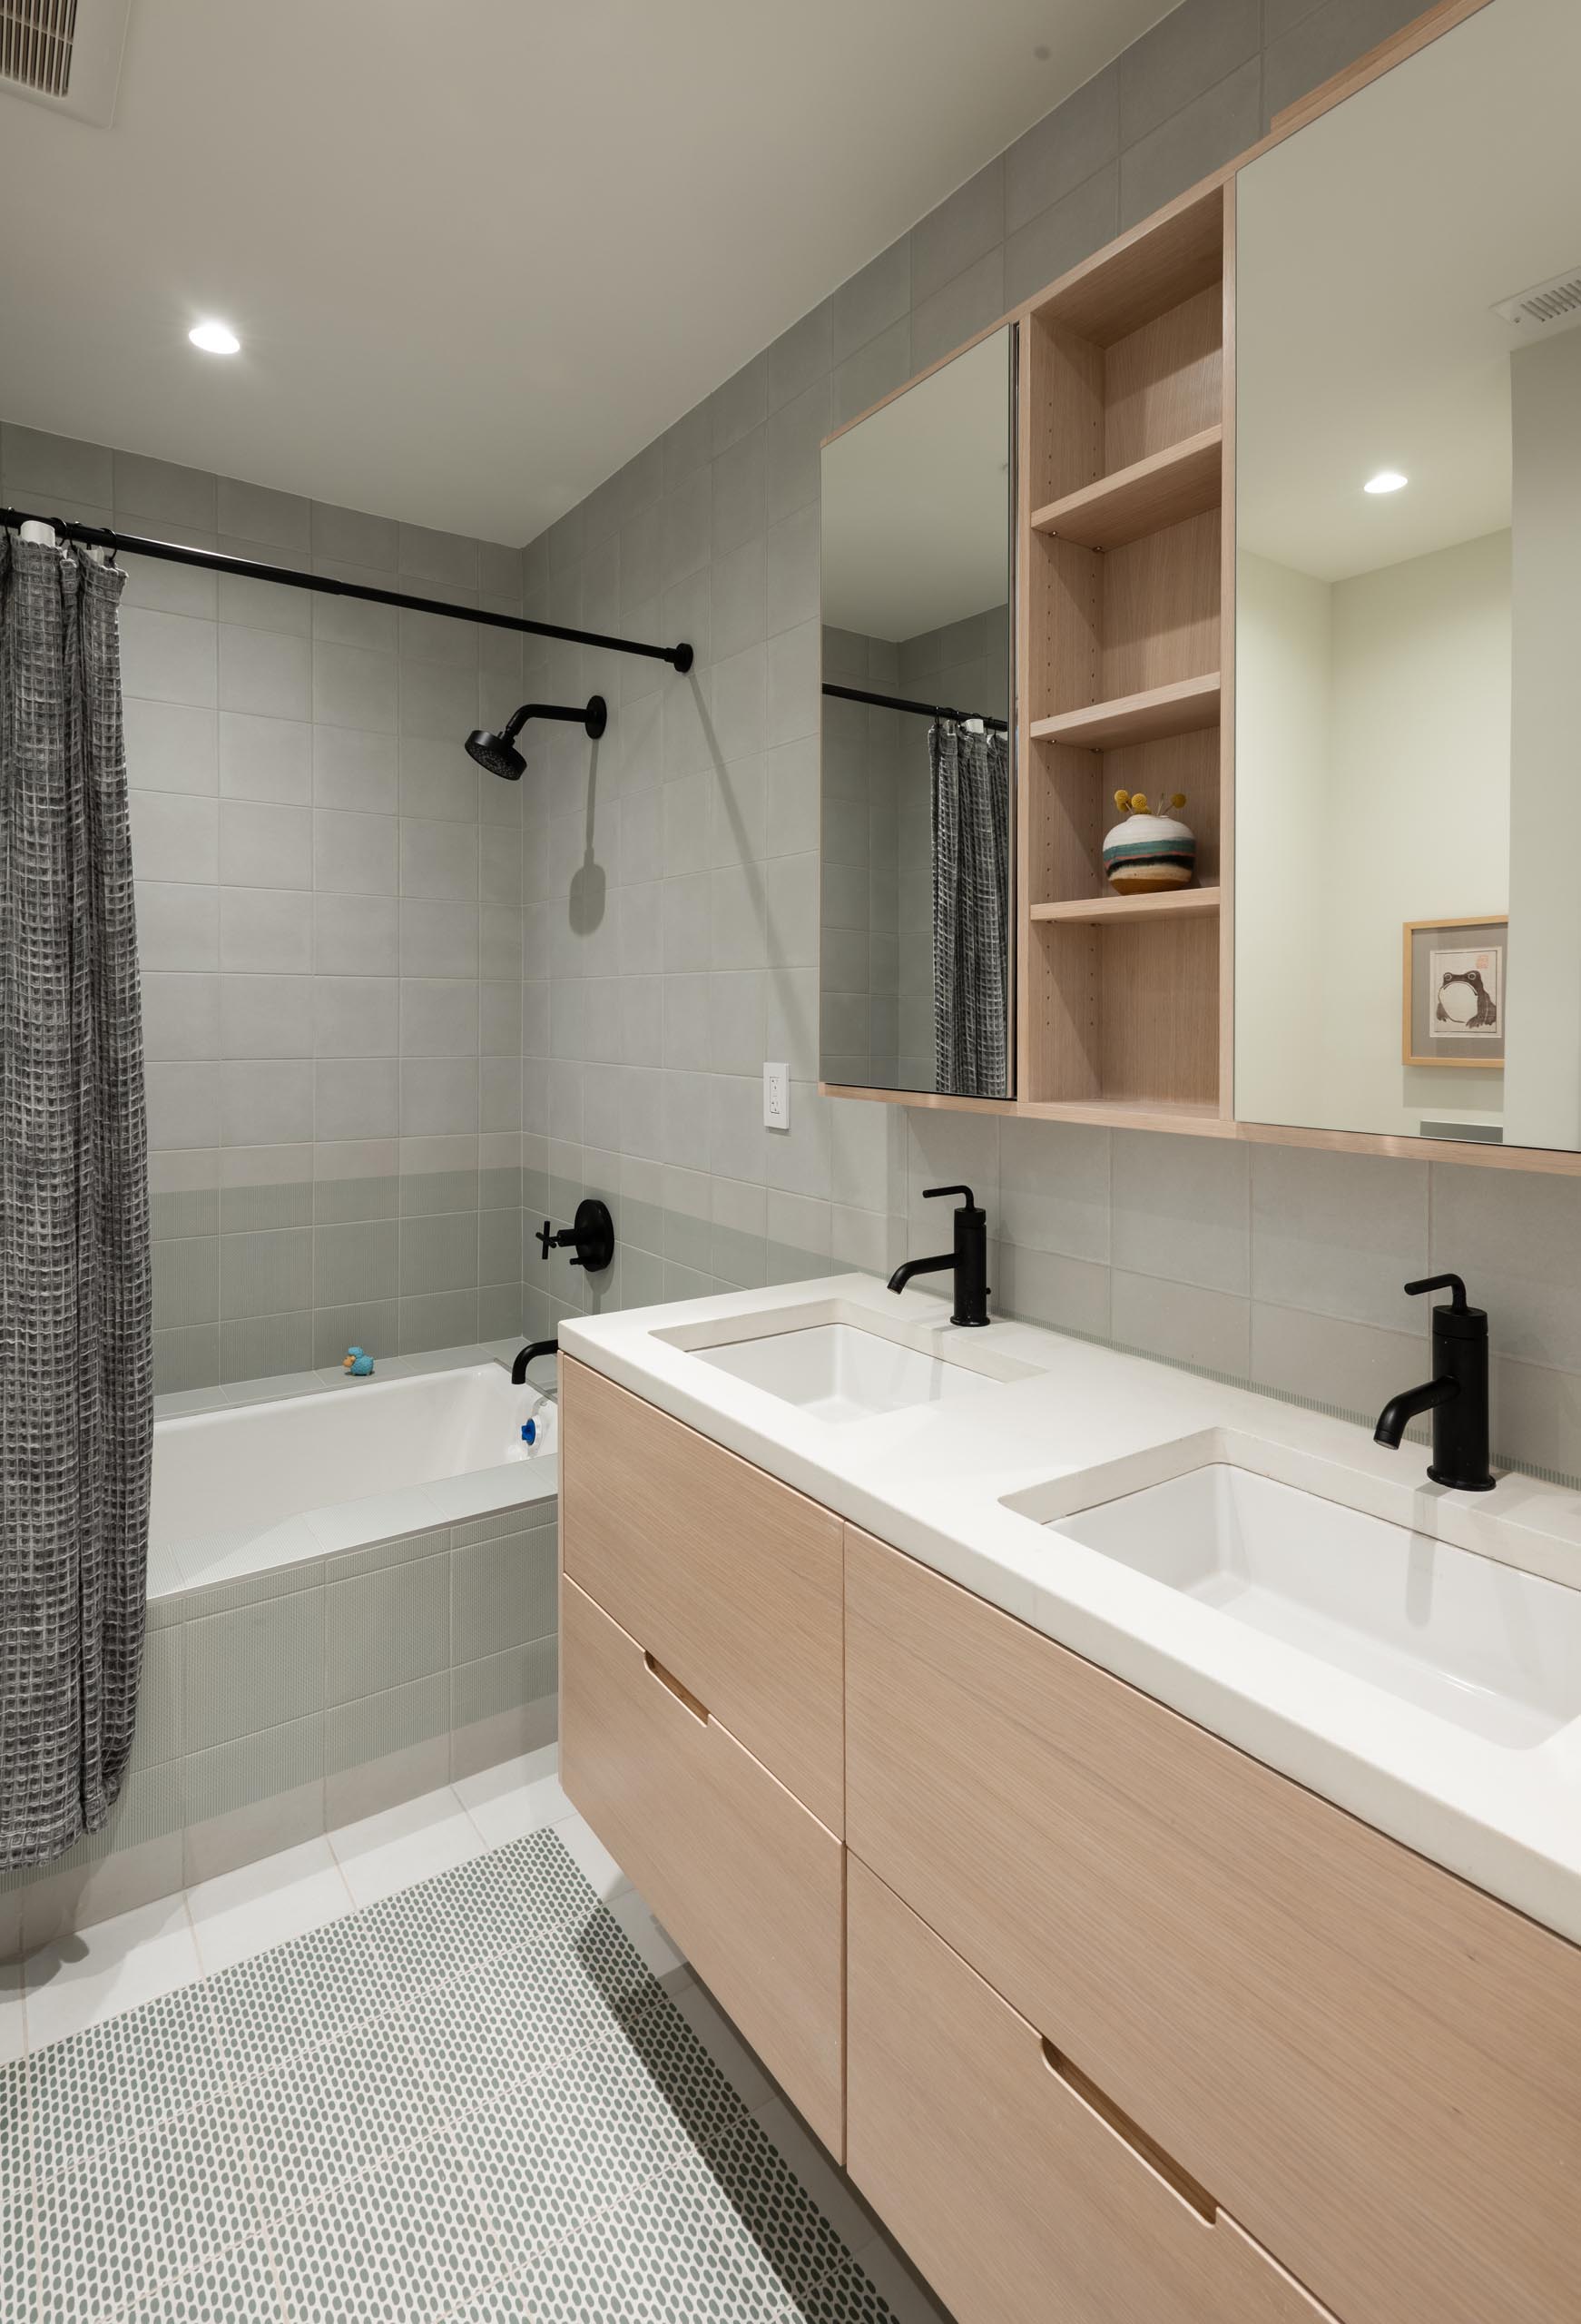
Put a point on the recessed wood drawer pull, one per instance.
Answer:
(682, 1694)
(1179, 2181)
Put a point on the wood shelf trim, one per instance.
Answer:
(1178, 709)
(1145, 497)
(1170, 903)
(1179, 1117)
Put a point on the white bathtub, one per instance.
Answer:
(252, 1486)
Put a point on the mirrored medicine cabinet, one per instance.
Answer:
(1407, 747)
(918, 768)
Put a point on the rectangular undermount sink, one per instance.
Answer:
(1493, 1649)
(836, 1362)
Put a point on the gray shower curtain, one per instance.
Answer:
(77, 1392)
(971, 774)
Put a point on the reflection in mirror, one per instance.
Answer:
(1408, 599)
(917, 748)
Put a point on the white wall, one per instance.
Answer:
(1420, 821)
(1284, 653)
(1545, 1033)
(1412, 824)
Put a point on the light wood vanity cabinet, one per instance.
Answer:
(1375, 2067)
(731, 1578)
(747, 1880)
(1016, 2192)
(1112, 2023)
(701, 1714)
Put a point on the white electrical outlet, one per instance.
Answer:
(776, 1096)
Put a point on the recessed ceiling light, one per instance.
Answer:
(1386, 480)
(219, 339)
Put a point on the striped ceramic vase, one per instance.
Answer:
(1145, 853)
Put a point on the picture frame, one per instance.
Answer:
(1455, 982)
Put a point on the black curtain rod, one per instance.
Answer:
(920, 709)
(101, 536)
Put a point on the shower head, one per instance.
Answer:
(498, 753)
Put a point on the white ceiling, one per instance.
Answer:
(917, 503)
(1369, 251)
(480, 253)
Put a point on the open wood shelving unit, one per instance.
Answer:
(1125, 450)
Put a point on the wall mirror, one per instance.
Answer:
(1407, 937)
(918, 762)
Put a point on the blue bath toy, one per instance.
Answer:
(360, 1366)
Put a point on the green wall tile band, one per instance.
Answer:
(265, 1274)
(385, 1628)
(193, 1211)
(422, 1192)
(371, 1727)
(255, 1767)
(503, 1593)
(260, 1348)
(186, 1282)
(188, 1357)
(339, 1201)
(242, 1208)
(161, 1710)
(254, 1668)
(524, 1674)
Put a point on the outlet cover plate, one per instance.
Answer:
(776, 1096)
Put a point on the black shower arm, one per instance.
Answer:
(574, 714)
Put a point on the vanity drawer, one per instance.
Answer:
(1018, 2191)
(750, 1884)
(729, 1577)
(1376, 2067)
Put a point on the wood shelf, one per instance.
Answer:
(1188, 1120)
(1169, 903)
(1145, 497)
(1183, 708)
(1127, 464)
(1146, 272)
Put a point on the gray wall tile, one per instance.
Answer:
(967, 304)
(1188, 52)
(875, 369)
(872, 302)
(1191, 143)
(1308, 43)
(266, 758)
(961, 231)
(1063, 150)
(1061, 236)
(1181, 1209)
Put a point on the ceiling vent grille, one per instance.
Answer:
(1547, 306)
(35, 44)
(63, 54)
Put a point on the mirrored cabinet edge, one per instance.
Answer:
(1123, 606)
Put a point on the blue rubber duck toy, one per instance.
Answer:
(359, 1365)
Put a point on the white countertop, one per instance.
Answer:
(930, 1480)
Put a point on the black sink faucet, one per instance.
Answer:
(969, 1259)
(1457, 1395)
(525, 1355)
